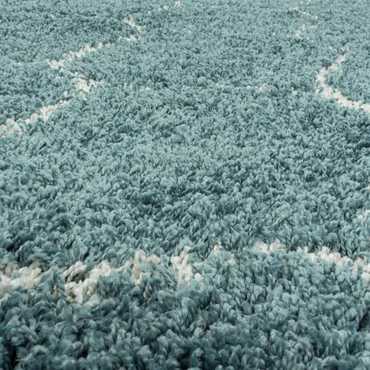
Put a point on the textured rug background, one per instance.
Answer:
(133, 219)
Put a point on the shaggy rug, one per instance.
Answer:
(184, 184)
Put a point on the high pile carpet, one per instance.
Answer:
(184, 184)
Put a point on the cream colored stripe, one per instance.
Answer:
(82, 85)
(327, 92)
(322, 255)
(80, 284)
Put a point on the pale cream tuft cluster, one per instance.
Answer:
(330, 93)
(322, 255)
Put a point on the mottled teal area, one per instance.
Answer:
(34, 30)
(276, 312)
(206, 129)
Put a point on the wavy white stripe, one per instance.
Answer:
(323, 255)
(80, 284)
(75, 55)
(327, 92)
(82, 85)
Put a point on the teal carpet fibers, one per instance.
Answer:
(148, 150)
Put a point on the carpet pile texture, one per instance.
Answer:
(177, 191)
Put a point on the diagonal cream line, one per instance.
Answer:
(130, 20)
(82, 86)
(75, 55)
(12, 126)
(330, 93)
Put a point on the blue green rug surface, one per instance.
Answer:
(182, 186)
